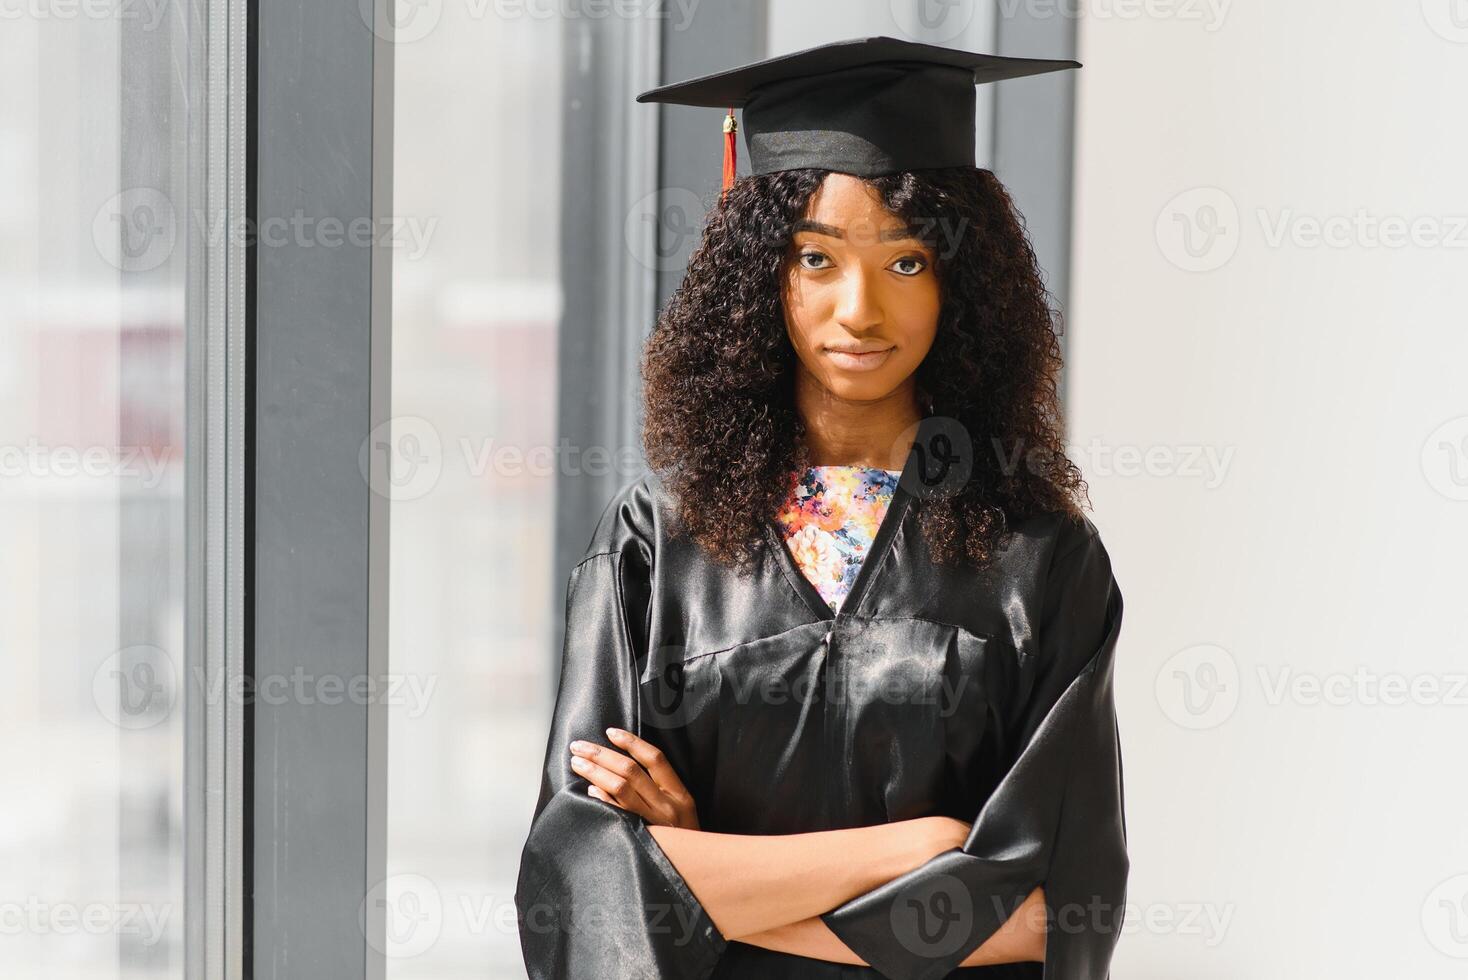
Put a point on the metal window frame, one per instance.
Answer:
(320, 383)
(216, 34)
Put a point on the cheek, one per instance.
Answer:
(919, 328)
(797, 317)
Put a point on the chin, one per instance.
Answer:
(860, 387)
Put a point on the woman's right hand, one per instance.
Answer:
(642, 781)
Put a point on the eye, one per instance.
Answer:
(917, 260)
(811, 255)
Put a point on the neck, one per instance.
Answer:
(839, 432)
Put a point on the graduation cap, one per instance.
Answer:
(868, 106)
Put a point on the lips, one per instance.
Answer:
(858, 360)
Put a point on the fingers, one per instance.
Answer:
(620, 778)
(651, 758)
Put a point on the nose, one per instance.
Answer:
(858, 305)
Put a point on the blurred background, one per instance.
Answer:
(1252, 215)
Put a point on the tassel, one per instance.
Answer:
(731, 154)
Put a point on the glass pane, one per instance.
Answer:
(93, 166)
(476, 302)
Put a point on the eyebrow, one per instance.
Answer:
(885, 235)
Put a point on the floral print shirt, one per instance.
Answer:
(829, 520)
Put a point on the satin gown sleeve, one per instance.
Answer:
(1055, 819)
(596, 895)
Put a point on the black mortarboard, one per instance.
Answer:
(867, 106)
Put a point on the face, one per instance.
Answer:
(861, 296)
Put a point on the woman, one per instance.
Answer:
(835, 698)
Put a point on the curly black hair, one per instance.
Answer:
(719, 415)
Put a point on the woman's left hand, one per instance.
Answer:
(641, 781)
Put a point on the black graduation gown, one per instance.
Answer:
(934, 691)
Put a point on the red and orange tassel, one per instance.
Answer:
(731, 153)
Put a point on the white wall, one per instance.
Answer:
(1325, 832)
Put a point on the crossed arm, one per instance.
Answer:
(770, 890)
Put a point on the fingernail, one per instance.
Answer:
(578, 746)
(580, 764)
(615, 733)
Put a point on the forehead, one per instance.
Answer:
(850, 208)
(842, 195)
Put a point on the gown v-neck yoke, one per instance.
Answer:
(829, 524)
